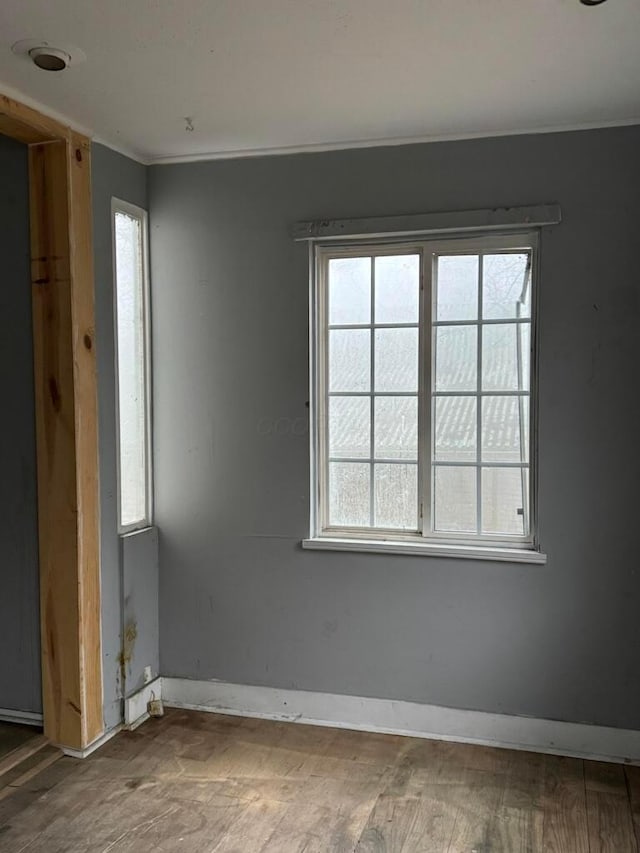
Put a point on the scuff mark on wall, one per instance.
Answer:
(128, 647)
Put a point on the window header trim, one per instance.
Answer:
(489, 219)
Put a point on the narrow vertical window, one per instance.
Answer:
(132, 357)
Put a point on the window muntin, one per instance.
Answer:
(132, 365)
(424, 390)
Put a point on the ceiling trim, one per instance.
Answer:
(312, 148)
(242, 153)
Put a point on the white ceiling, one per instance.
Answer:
(257, 75)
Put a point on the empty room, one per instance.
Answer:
(320, 335)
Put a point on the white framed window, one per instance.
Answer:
(132, 344)
(423, 388)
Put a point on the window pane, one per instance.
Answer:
(505, 429)
(349, 360)
(455, 429)
(456, 358)
(396, 496)
(349, 290)
(455, 500)
(457, 288)
(524, 369)
(396, 427)
(505, 365)
(130, 289)
(396, 364)
(505, 495)
(506, 286)
(349, 494)
(349, 426)
(397, 287)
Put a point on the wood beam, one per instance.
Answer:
(86, 417)
(66, 432)
(27, 125)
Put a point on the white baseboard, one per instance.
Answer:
(135, 707)
(25, 718)
(97, 743)
(580, 740)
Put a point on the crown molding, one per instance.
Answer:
(306, 148)
(383, 142)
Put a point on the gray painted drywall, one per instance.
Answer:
(20, 680)
(239, 599)
(140, 601)
(114, 175)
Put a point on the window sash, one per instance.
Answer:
(144, 406)
(429, 250)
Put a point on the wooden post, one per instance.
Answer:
(86, 421)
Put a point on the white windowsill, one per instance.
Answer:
(135, 531)
(430, 549)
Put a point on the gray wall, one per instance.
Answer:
(125, 572)
(239, 599)
(20, 687)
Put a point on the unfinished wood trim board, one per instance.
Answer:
(578, 740)
(66, 422)
(24, 124)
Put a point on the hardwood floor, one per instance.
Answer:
(24, 753)
(205, 783)
(13, 735)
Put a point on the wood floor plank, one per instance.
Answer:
(317, 829)
(526, 781)
(20, 753)
(29, 769)
(13, 735)
(605, 778)
(434, 822)
(375, 749)
(253, 829)
(517, 825)
(565, 806)
(516, 830)
(632, 777)
(473, 781)
(610, 823)
(389, 825)
(479, 801)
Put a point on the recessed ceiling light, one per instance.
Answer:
(48, 56)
